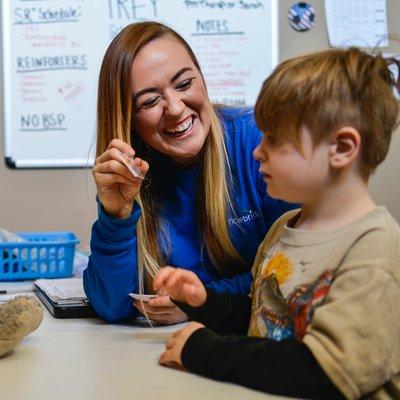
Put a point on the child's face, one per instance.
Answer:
(294, 173)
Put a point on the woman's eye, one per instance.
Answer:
(150, 103)
(185, 84)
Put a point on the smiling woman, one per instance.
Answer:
(170, 101)
(200, 178)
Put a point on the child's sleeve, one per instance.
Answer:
(285, 368)
(224, 313)
(355, 335)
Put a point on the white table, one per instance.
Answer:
(84, 359)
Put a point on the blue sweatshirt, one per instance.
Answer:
(112, 270)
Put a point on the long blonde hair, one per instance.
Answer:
(114, 120)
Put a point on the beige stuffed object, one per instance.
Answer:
(18, 317)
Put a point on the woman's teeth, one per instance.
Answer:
(180, 129)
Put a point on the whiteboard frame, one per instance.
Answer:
(6, 65)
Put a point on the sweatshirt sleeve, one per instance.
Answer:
(224, 313)
(285, 368)
(112, 270)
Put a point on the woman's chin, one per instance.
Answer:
(187, 159)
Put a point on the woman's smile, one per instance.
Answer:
(181, 129)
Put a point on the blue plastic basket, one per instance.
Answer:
(45, 255)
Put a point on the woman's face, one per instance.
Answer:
(171, 107)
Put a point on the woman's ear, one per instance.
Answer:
(345, 147)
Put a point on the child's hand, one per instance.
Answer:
(172, 356)
(181, 285)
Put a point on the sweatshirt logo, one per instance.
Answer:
(248, 215)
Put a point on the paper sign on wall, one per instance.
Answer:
(360, 23)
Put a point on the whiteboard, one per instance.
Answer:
(52, 52)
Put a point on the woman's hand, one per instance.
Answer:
(161, 310)
(116, 186)
(172, 356)
(181, 285)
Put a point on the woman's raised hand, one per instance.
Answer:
(181, 285)
(116, 186)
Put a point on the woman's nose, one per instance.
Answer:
(174, 105)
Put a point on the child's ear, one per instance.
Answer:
(345, 147)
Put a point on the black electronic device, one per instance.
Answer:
(79, 309)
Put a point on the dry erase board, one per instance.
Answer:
(52, 51)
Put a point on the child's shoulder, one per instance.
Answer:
(376, 240)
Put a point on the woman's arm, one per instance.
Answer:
(112, 270)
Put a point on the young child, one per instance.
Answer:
(323, 320)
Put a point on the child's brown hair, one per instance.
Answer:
(327, 90)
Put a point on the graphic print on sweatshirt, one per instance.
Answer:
(277, 317)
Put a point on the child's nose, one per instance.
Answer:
(256, 153)
(259, 154)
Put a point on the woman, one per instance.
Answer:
(202, 205)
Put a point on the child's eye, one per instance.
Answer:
(151, 102)
(185, 84)
(270, 139)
